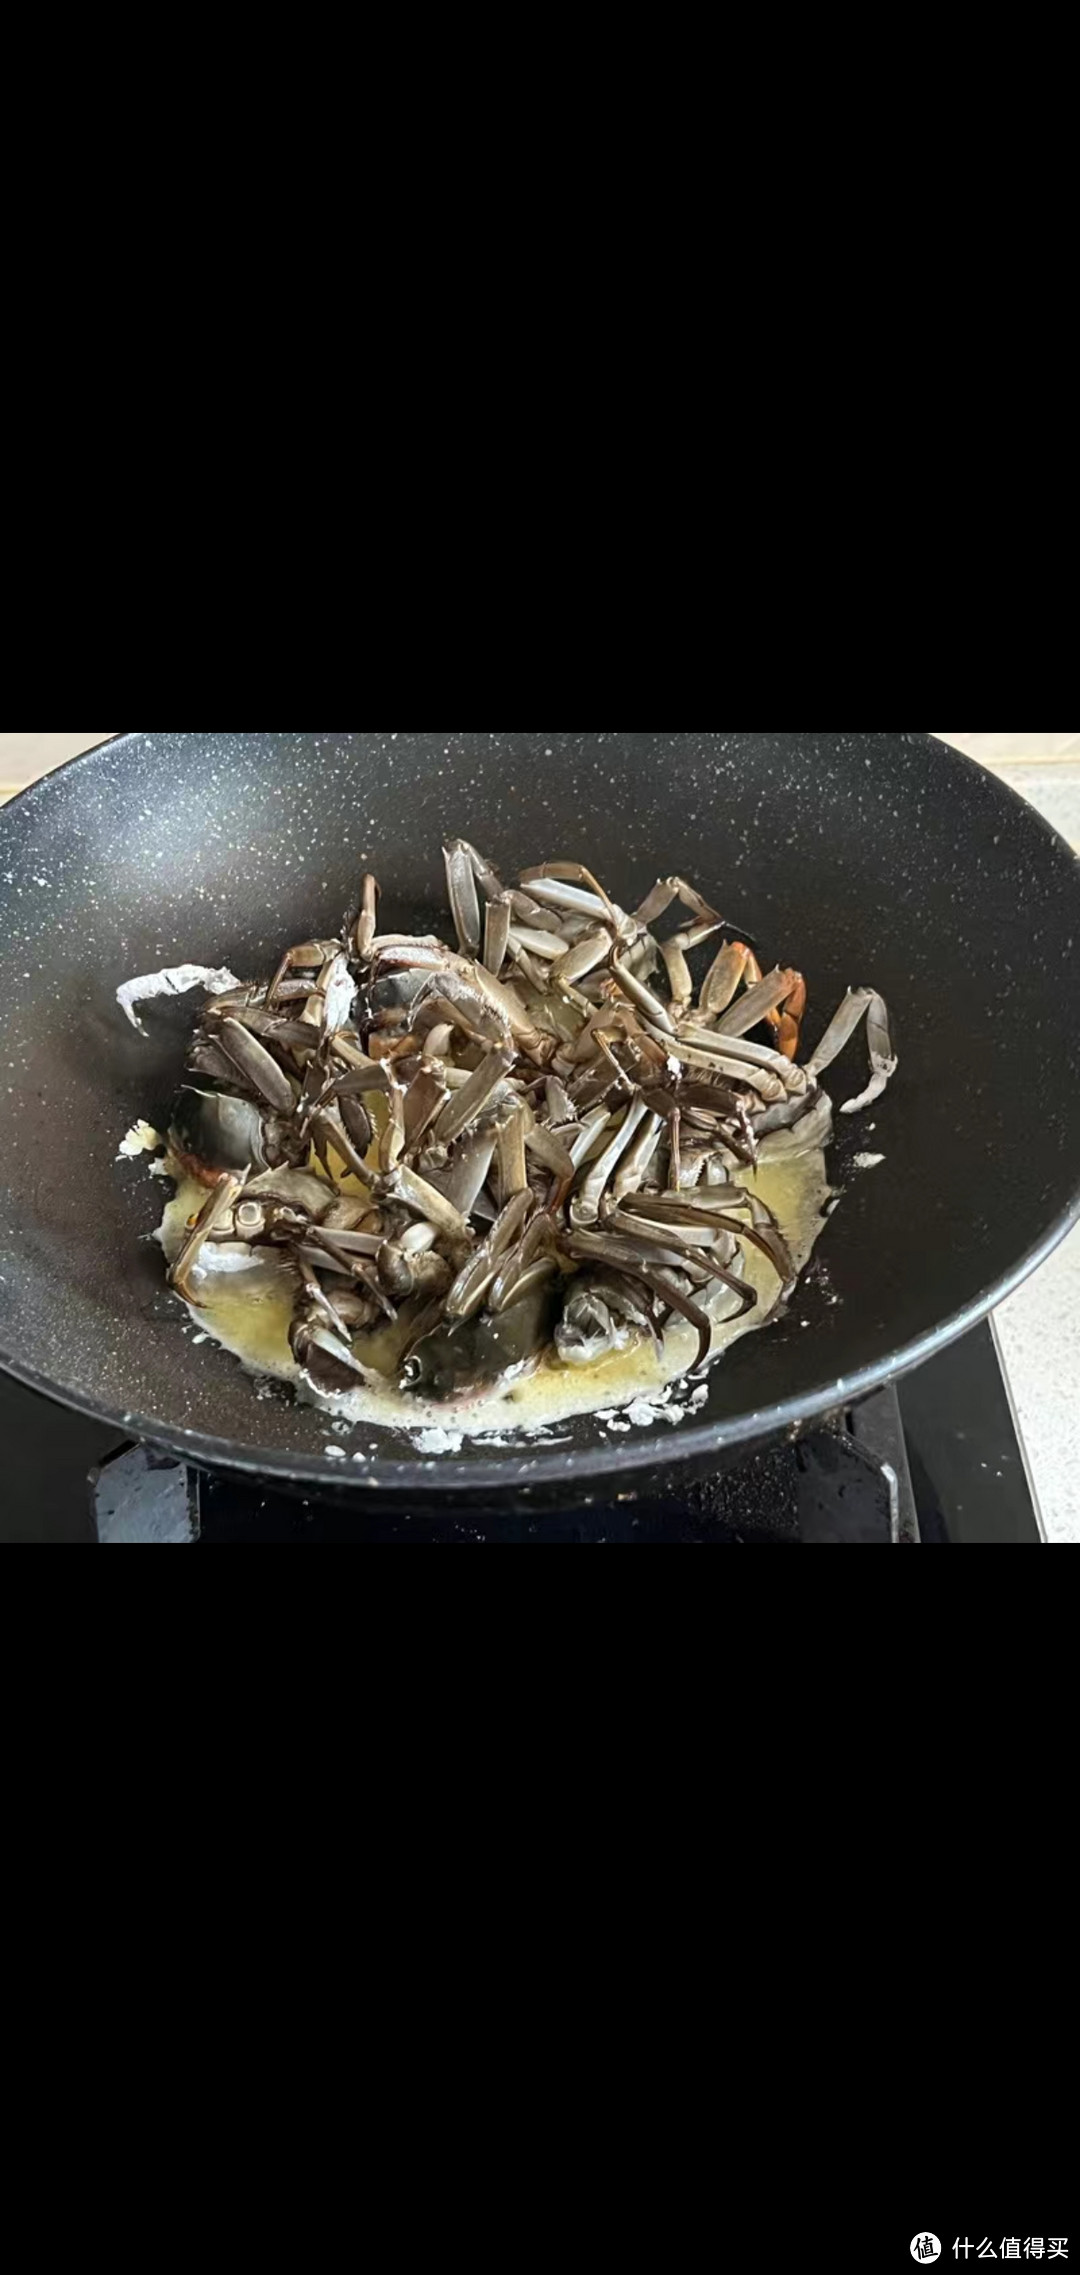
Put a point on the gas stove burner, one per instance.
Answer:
(834, 1484)
(931, 1461)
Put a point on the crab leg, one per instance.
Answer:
(757, 1002)
(424, 1099)
(207, 1058)
(362, 1270)
(529, 911)
(328, 1129)
(322, 1301)
(217, 1205)
(510, 1155)
(464, 1180)
(766, 1071)
(698, 1220)
(787, 1036)
(550, 1150)
(736, 1048)
(254, 1062)
(551, 893)
(679, 1234)
(356, 1120)
(405, 1185)
(659, 1284)
(585, 1206)
(529, 970)
(342, 1242)
(486, 876)
(321, 1355)
(656, 903)
(465, 1106)
(461, 888)
(523, 1266)
(466, 1014)
(507, 1002)
(663, 1207)
(625, 1250)
(605, 1052)
(577, 962)
(330, 1003)
(549, 947)
(370, 1074)
(409, 952)
(678, 1301)
(883, 1059)
(641, 995)
(496, 933)
(840, 1029)
(366, 921)
(674, 953)
(309, 955)
(557, 1101)
(635, 1161)
(559, 883)
(392, 1137)
(554, 1155)
(668, 889)
(271, 1026)
(461, 983)
(768, 1085)
(598, 1118)
(467, 1293)
(722, 978)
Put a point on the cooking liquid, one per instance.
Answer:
(247, 1309)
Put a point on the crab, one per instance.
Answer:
(526, 1146)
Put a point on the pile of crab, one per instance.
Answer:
(518, 1147)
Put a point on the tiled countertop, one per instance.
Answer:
(1039, 1328)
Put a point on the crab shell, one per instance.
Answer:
(212, 1133)
(467, 1361)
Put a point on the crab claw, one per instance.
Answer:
(322, 1357)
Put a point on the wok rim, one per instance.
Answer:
(533, 1466)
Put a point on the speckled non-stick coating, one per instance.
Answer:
(860, 858)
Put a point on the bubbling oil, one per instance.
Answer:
(247, 1309)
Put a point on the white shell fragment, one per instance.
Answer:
(883, 1059)
(179, 981)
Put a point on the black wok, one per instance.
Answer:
(880, 858)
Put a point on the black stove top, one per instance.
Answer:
(932, 1460)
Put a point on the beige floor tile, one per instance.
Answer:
(993, 749)
(24, 757)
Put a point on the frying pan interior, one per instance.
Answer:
(859, 858)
